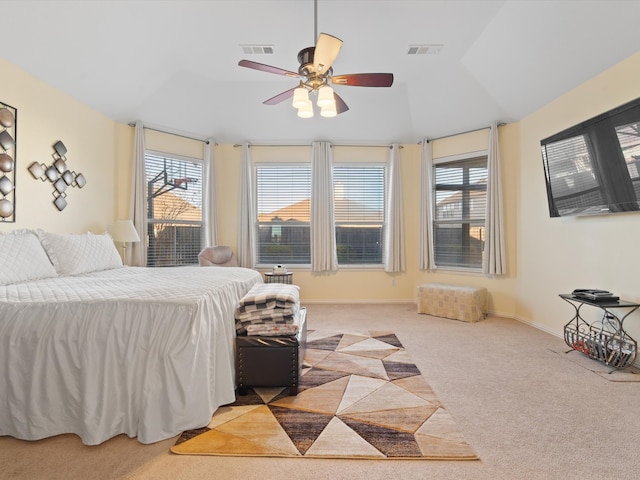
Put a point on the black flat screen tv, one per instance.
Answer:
(593, 168)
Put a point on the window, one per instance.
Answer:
(283, 206)
(359, 193)
(460, 197)
(174, 209)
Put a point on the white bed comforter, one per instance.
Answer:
(140, 351)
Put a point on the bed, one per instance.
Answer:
(97, 349)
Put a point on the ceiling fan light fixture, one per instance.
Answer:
(315, 73)
(325, 97)
(306, 111)
(300, 97)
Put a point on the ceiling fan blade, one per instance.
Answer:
(341, 107)
(281, 97)
(267, 68)
(364, 79)
(326, 51)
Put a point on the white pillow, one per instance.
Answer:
(22, 258)
(76, 254)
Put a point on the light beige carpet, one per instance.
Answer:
(361, 397)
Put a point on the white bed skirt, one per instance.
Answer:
(144, 352)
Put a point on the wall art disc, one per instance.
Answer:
(60, 165)
(52, 173)
(6, 162)
(60, 185)
(80, 180)
(6, 118)
(37, 170)
(60, 203)
(6, 208)
(6, 185)
(68, 177)
(6, 140)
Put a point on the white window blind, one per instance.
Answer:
(460, 193)
(174, 209)
(359, 193)
(283, 206)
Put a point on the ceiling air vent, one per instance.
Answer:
(424, 49)
(257, 49)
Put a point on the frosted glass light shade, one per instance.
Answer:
(306, 111)
(329, 111)
(325, 97)
(300, 97)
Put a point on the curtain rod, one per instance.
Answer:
(174, 134)
(461, 133)
(236, 145)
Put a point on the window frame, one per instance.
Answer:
(202, 223)
(383, 223)
(278, 165)
(468, 157)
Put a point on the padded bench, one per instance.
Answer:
(265, 361)
(468, 304)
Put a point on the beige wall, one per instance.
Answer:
(556, 255)
(45, 115)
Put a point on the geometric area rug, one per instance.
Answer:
(360, 396)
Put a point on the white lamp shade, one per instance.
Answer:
(306, 111)
(325, 97)
(300, 97)
(124, 231)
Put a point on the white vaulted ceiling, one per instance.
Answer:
(173, 64)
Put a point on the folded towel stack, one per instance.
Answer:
(267, 305)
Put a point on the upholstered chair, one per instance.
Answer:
(218, 256)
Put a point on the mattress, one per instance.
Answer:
(146, 352)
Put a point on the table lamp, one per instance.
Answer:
(124, 232)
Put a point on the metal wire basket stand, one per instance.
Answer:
(602, 341)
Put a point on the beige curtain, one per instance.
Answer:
(324, 257)
(138, 202)
(248, 218)
(494, 259)
(425, 234)
(210, 205)
(394, 260)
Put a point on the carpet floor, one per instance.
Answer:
(360, 396)
(628, 374)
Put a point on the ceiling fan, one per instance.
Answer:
(315, 73)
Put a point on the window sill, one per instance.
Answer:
(461, 270)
